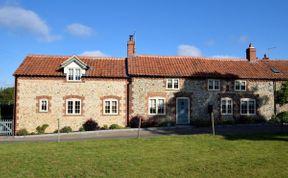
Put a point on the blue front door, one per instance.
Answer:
(182, 111)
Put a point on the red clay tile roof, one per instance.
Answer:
(158, 66)
(41, 65)
(178, 66)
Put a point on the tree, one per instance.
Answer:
(7, 95)
(282, 94)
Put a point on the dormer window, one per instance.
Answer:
(74, 68)
(74, 74)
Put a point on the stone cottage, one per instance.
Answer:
(163, 88)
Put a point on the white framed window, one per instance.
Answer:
(73, 107)
(247, 106)
(74, 74)
(240, 85)
(156, 106)
(43, 105)
(110, 107)
(226, 106)
(213, 84)
(172, 84)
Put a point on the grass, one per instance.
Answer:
(166, 156)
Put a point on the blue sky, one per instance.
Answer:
(163, 27)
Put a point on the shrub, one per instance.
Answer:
(201, 123)
(22, 132)
(283, 117)
(134, 121)
(105, 127)
(115, 126)
(90, 125)
(66, 129)
(249, 120)
(41, 129)
(81, 129)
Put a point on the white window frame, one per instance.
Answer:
(240, 81)
(213, 85)
(157, 105)
(226, 99)
(73, 106)
(40, 105)
(74, 74)
(110, 101)
(248, 113)
(173, 80)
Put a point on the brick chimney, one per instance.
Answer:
(251, 53)
(131, 46)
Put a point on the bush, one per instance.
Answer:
(201, 123)
(66, 129)
(22, 132)
(90, 125)
(81, 129)
(115, 126)
(41, 129)
(282, 117)
(105, 127)
(134, 121)
(250, 120)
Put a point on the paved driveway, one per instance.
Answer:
(226, 130)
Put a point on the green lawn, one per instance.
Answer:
(166, 156)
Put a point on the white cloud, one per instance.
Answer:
(188, 50)
(243, 39)
(210, 42)
(93, 53)
(80, 30)
(22, 21)
(226, 56)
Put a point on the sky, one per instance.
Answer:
(222, 28)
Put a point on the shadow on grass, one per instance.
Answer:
(254, 132)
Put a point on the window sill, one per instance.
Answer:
(157, 114)
(247, 114)
(110, 114)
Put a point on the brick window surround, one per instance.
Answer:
(81, 98)
(43, 97)
(112, 97)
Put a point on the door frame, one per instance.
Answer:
(188, 99)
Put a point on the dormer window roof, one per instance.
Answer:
(76, 60)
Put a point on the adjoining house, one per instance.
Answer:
(171, 88)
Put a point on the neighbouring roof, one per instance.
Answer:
(178, 66)
(43, 65)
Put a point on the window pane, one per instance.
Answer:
(70, 107)
(70, 75)
(43, 105)
(114, 107)
(210, 84)
(169, 83)
(78, 74)
(244, 107)
(237, 85)
(176, 83)
(223, 106)
(216, 84)
(242, 85)
(77, 107)
(107, 107)
(160, 106)
(251, 107)
(229, 106)
(152, 106)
